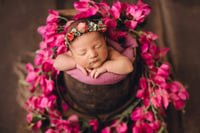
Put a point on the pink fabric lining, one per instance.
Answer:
(125, 49)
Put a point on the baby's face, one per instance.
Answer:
(89, 50)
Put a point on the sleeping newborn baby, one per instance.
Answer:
(89, 52)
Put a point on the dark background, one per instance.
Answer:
(175, 21)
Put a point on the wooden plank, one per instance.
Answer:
(68, 12)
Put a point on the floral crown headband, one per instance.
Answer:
(84, 27)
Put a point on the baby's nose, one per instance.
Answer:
(93, 54)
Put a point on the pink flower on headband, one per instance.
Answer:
(70, 36)
(103, 28)
(82, 27)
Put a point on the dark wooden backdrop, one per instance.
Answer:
(175, 21)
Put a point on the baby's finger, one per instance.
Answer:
(84, 71)
(92, 74)
(89, 70)
(96, 74)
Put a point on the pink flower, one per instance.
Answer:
(43, 45)
(44, 102)
(160, 80)
(47, 65)
(82, 27)
(64, 106)
(143, 83)
(163, 51)
(85, 9)
(51, 28)
(60, 40)
(140, 114)
(38, 59)
(104, 8)
(137, 114)
(131, 24)
(94, 124)
(157, 99)
(135, 12)
(61, 49)
(183, 94)
(179, 104)
(155, 125)
(55, 115)
(139, 12)
(51, 131)
(111, 23)
(151, 35)
(41, 30)
(144, 95)
(37, 125)
(163, 70)
(154, 50)
(146, 56)
(47, 102)
(116, 9)
(73, 118)
(70, 36)
(29, 117)
(122, 127)
(81, 6)
(53, 16)
(178, 94)
(31, 88)
(31, 76)
(29, 67)
(48, 87)
(144, 47)
(42, 55)
(52, 101)
(106, 130)
(146, 8)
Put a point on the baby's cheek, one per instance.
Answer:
(83, 62)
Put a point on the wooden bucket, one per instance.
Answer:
(100, 99)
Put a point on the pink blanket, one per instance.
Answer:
(125, 49)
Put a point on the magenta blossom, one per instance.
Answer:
(131, 24)
(117, 8)
(141, 114)
(73, 118)
(48, 87)
(85, 9)
(104, 8)
(64, 106)
(37, 125)
(29, 117)
(47, 65)
(160, 98)
(142, 127)
(82, 6)
(53, 16)
(106, 130)
(94, 124)
(122, 127)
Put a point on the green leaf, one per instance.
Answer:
(37, 117)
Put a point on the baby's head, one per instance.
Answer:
(87, 43)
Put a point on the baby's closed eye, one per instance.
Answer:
(97, 46)
(82, 52)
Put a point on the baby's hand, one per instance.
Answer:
(96, 72)
(82, 69)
